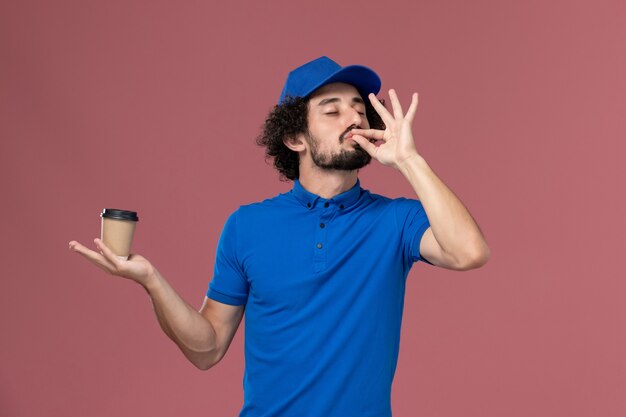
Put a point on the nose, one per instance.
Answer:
(354, 118)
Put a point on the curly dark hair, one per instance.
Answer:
(288, 120)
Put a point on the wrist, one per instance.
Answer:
(412, 161)
(152, 282)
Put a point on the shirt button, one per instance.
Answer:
(341, 206)
(319, 246)
(326, 204)
(322, 225)
(308, 204)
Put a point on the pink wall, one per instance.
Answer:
(154, 106)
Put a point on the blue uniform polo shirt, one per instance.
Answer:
(323, 281)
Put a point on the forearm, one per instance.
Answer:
(452, 225)
(194, 334)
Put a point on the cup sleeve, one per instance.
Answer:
(229, 284)
(413, 222)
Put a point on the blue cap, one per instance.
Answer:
(321, 71)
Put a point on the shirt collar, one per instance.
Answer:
(310, 200)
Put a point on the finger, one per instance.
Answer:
(98, 259)
(369, 147)
(108, 253)
(381, 110)
(412, 108)
(369, 133)
(395, 103)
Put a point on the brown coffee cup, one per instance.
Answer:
(117, 230)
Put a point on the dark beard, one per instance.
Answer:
(344, 160)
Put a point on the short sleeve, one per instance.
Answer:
(413, 222)
(229, 284)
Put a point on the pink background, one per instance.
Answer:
(154, 106)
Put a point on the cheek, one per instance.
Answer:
(323, 129)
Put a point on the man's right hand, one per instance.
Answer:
(203, 336)
(136, 268)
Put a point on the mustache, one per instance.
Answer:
(343, 135)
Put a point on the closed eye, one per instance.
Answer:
(335, 112)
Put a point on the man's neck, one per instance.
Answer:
(327, 184)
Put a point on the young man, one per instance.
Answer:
(320, 270)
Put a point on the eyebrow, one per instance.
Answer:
(335, 99)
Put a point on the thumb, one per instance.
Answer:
(369, 147)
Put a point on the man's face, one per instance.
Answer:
(334, 110)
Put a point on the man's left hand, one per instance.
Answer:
(398, 145)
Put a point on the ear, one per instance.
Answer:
(296, 144)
